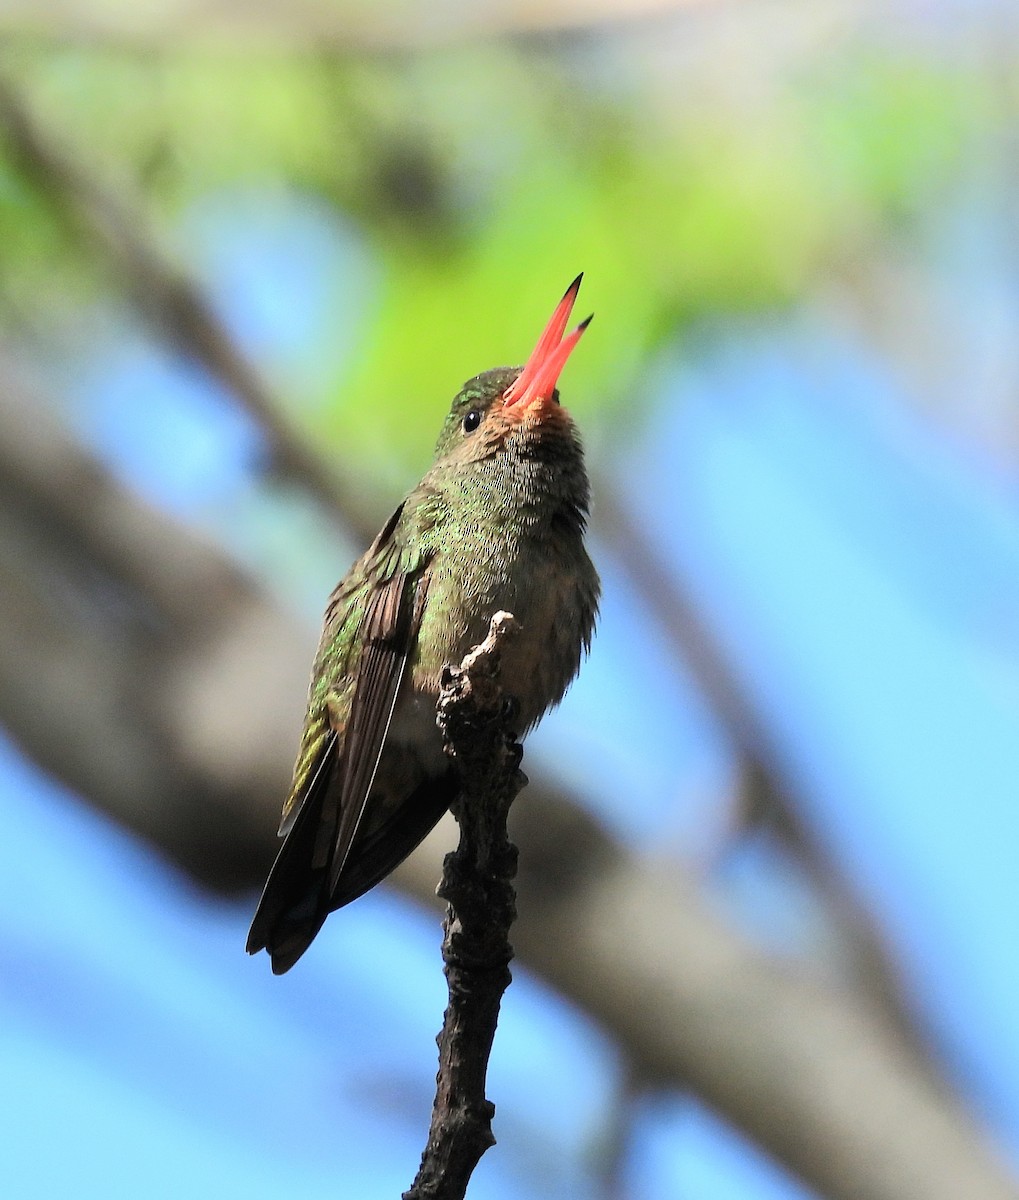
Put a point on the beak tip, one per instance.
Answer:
(549, 356)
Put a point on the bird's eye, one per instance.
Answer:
(472, 420)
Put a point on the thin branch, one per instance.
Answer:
(816, 1075)
(477, 885)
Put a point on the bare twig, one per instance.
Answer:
(477, 886)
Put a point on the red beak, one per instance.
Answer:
(538, 379)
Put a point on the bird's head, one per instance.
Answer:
(514, 406)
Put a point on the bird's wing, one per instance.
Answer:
(322, 819)
(390, 630)
(318, 754)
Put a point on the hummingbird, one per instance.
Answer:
(497, 522)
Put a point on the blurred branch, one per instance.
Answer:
(347, 27)
(477, 884)
(167, 295)
(125, 653)
(164, 717)
(612, 1157)
(765, 795)
(888, 299)
(817, 1077)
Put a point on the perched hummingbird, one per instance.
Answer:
(496, 523)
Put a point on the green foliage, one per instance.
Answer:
(891, 132)
(484, 178)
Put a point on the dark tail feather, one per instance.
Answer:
(297, 898)
(379, 850)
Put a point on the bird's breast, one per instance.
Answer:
(535, 581)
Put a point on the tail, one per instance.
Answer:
(298, 897)
(295, 899)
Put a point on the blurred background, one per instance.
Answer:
(769, 903)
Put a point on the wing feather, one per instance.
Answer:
(322, 821)
(388, 639)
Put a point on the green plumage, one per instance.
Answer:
(496, 523)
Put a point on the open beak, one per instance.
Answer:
(538, 379)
